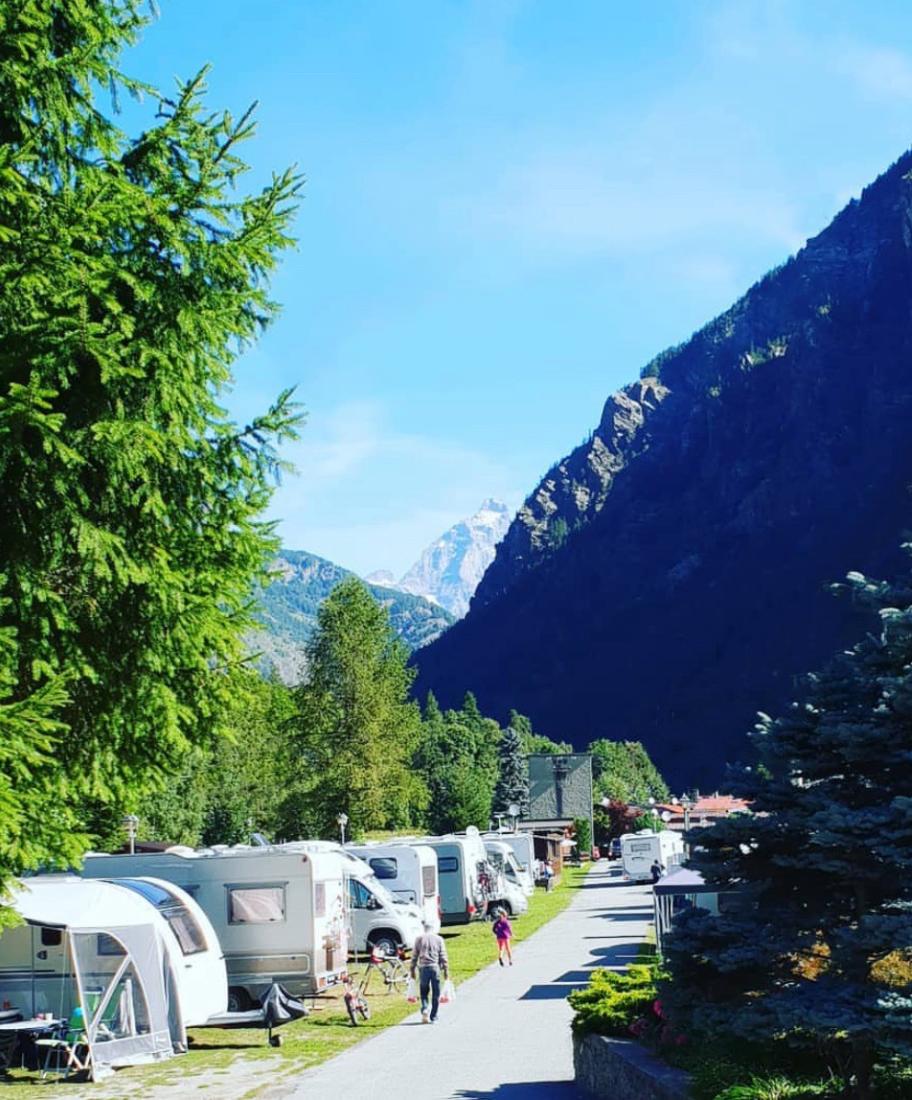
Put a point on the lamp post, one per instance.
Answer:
(653, 812)
(130, 823)
(342, 820)
(688, 804)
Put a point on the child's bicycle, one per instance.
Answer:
(395, 977)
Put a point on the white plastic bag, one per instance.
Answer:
(411, 993)
(448, 993)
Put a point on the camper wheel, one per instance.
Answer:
(387, 942)
(239, 1000)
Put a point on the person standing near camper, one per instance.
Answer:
(429, 959)
(656, 871)
(549, 876)
(503, 933)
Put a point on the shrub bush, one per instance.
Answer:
(624, 1004)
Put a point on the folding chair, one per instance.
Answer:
(65, 1047)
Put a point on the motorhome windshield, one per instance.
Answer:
(180, 920)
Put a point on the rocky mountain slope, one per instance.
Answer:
(670, 577)
(290, 604)
(449, 570)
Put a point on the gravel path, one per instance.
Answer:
(507, 1035)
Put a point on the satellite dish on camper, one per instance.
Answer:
(472, 830)
(513, 809)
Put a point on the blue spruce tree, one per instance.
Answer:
(817, 881)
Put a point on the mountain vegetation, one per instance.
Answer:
(132, 272)
(288, 607)
(669, 575)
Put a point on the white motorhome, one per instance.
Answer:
(464, 875)
(523, 846)
(508, 894)
(504, 859)
(279, 913)
(376, 918)
(640, 850)
(408, 871)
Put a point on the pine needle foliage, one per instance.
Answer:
(512, 775)
(818, 879)
(131, 276)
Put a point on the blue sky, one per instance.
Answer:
(510, 207)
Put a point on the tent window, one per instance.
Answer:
(429, 880)
(51, 937)
(320, 899)
(385, 867)
(256, 904)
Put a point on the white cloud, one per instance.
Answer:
(388, 492)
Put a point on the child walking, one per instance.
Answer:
(503, 931)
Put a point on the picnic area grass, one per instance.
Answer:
(229, 1058)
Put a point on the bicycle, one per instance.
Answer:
(395, 976)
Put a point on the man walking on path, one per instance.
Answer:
(429, 957)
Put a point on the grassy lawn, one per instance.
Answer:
(231, 1057)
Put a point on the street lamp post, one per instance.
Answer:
(342, 820)
(688, 804)
(130, 823)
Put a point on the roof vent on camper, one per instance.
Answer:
(472, 830)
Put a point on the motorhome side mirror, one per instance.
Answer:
(373, 903)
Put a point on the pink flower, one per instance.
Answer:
(657, 1009)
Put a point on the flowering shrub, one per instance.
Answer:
(624, 1004)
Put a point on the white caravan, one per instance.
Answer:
(523, 846)
(640, 850)
(133, 972)
(279, 913)
(504, 859)
(408, 871)
(376, 918)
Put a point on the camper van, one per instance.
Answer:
(504, 859)
(136, 959)
(464, 875)
(640, 850)
(376, 917)
(523, 847)
(408, 871)
(508, 893)
(279, 914)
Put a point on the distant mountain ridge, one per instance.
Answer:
(289, 606)
(449, 570)
(671, 577)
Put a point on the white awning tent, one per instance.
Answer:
(93, 953)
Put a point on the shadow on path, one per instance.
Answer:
(532, 1090)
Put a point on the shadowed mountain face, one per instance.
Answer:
(670, 577)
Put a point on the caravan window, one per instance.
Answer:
(180, 920)
(385, 867)
(51, 937)
(319, 899)
(256, 904)
(360, 897)
(447, 864)
(640, 846)
(428, 880)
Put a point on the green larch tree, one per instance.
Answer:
(356, 731)
(132, 274)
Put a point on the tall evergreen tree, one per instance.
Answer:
(513, 774)
(356, 729)
(131, 275)
(822, 868)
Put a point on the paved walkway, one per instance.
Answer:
(507, 1035)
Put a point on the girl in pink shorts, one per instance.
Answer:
(503, 933)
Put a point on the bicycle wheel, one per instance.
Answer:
(395, 975)
(364, 1009)
(350, 1007)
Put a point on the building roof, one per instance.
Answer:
(682, 880)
